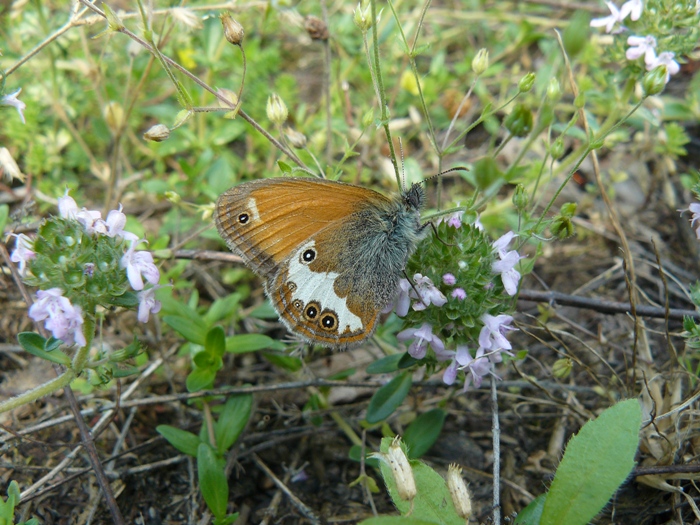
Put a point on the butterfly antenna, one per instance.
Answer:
(403, 165)
(432, 225)
(457, 168)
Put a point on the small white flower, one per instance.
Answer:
(12, 100)
(694, 208)
(609, 21)
(506, 266)
(427, 293)
(633, 8)
(402, 300)
(665, 59)
(23, 252)
(421, 336)
(148, 304)
(641, 45)
(114, 224)
(492, 335)
(139, 265)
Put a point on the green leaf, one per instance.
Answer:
(193, 331)
(432, 503)
(422, 433)
(355, 454)
(185, 442)
(385, 365)
(243, 343)
(232, 420)
(4, 214)
(286, 362)
(125, 300)
(284, 167)
(215, 344)
(531, 514)
(35, 344)
(396, 520)
(264, 311)
(200, 379)
(388, 398)
(222, 308)
(212, 480)
(596, 462)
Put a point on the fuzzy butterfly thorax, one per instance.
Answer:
(331, 254)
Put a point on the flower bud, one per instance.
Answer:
(580, 101)
(562, 367)
(233, 31)
(362, 16)
(458, 491)
(276, 109)
(296, 138)
(113, 113)
(526, 83)
(519, 122)
(173, 197)
(480, 62)
(562, 227)
(401, 468)
(553, 90)
(520, 198)
(577, 33)
(317, 28)
(157, 133)
(654, 81)
(556, 150)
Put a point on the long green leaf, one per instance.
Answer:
(232, 420)
(423, 431)
(185, 442)
(212, 480)
(388, 398)
(596, 462)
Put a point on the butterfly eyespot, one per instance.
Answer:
(291, 286)
(243, 218)
(298, 304)
(308, 256)
(311, 311)
(329, 321)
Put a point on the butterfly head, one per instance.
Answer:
(414, 197)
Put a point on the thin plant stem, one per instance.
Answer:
(382, 94)
(496, 444)
(327, 88)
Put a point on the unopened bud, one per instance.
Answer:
(562, 227)
(458, 491)
(580, 101)
(296, 138)
(401, 468)
(526, 83)
(157, 133)
(520, 198)
(553, 90)
(655, 80)
(317, 28)
(114, 115)
(113, 21)
(480, 62)
(233, 31)
(362, 16)
(173, 197)
(519, 122)
(276, 109)
(556, 150)
(562, 367)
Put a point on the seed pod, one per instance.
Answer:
(317, 28)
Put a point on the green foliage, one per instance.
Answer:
(7, 506)
(388, 398)
(596, 462)
(423, 432)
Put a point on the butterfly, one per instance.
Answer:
(331, 254)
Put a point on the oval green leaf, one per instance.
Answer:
(388, 398)
(422, 433)
(596, 462)
(212, 480)
(185, 442)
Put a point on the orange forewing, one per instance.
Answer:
(282, 215)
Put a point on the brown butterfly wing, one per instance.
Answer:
(276, 225)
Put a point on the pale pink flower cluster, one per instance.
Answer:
(640, 46)
(65, 320)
